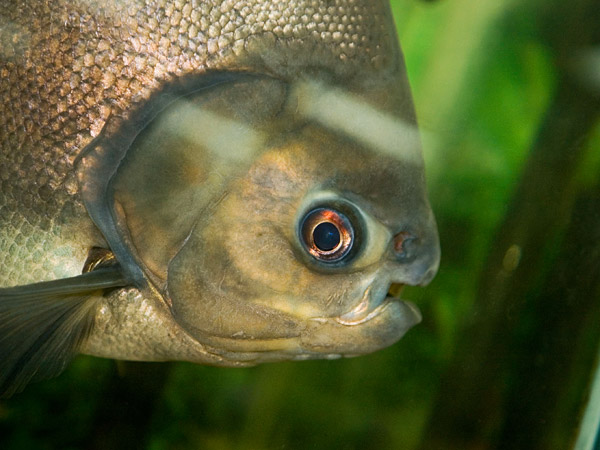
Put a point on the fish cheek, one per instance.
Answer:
(262, 240)
(238, 273)
(264, 253)
(209, 298)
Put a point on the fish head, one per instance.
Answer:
(273, 199)
(274, 217)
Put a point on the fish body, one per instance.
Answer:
(223, 182)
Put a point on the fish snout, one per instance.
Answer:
(417, 257)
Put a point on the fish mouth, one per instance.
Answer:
(372, 304)
(379, 319)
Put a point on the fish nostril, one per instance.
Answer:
(405, 246)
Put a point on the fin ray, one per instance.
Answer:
(43, 324)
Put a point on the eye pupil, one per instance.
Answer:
(326, 236)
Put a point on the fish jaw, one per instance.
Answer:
(377, 321)
(325, 337)
(381, 327)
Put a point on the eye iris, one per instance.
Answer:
(326, 236)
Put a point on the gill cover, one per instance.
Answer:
(144, 188)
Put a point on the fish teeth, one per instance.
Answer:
(395, 290)
(365, 310)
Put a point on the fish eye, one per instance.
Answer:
(327, 234)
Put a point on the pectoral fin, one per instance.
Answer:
(42, 325)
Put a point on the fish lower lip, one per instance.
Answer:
(370, 307)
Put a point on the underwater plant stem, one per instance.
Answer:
(589, 432)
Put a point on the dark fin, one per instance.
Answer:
(42, 325)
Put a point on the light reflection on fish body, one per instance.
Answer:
(172, 151)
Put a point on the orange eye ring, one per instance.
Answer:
(327, 234)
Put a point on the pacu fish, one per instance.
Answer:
(222, 182)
